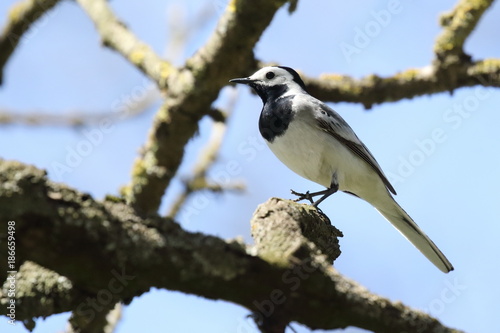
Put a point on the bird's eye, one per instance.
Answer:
(269, 75)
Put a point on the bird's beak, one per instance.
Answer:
(244, 80)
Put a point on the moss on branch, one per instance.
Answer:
(458, 25)
(106, 247)
(373, 89)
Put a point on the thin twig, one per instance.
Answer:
(198, 180)
(79, 118)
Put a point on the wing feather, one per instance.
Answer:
(330, 121)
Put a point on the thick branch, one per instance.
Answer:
(104, 321)
(109, 249)
(117, 36)
(282, 229)
(191, 93)
(21, 17)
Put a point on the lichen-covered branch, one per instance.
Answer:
(191, 91)
(40, 292)
(451, 69)
(113, 254)
(21, 17)
(104, 321)
(458, 25)
(374, 89)
(117, 36)
(282, 229)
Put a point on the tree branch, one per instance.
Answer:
(198, 180)
(458, 25)
(113, 254)
(192, 90)
(117, 36)
(104, 321)
(373, 89)
(450, 70)
(40, 292)
(76, 118)
(21, 17)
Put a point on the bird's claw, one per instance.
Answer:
(302, 196)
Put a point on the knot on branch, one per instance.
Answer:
(285, 231)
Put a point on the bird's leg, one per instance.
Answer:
(308, 196)
(327, 193)
(334, 187)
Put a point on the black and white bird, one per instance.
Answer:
(315, 142)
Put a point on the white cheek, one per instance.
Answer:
(280, 80)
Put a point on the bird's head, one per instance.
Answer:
(273, 82)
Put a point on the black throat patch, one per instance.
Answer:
(269, 93)
(275, 117)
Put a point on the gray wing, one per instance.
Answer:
(330, 121)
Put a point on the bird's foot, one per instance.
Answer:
(303, 196)
(309, 196)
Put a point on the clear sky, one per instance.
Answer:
(442, 163)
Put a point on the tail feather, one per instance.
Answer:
(405, 224)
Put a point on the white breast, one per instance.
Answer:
(317, 156)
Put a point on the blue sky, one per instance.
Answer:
(441, 162)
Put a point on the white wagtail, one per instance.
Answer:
(316, 143)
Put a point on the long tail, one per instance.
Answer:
(405, 224)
